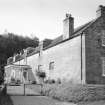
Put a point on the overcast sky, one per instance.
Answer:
(43, 18)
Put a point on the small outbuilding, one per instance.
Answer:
(20, 73)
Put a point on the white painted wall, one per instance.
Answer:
(66, 57)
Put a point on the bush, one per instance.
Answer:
(74, 93)
(13, 79)
(50, 81)
(41, 74)
(34, 82)
(18, 81)
(4, 98)
(58, 81)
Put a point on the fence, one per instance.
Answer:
(24, 89)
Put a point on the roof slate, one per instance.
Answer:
(58, 40)
(77, 32)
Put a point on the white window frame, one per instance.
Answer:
(103, 41)
(40, 67)
(51, 65)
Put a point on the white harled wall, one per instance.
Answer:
(66, 57)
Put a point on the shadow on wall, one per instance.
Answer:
(5, 99)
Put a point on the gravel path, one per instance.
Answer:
(16, 96)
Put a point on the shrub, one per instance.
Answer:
(74, 93)
(34, 82)
(41, 74)
(50, 81)
(18, 81)
(12, 79)
(58, 81)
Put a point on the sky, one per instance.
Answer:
(44, 18)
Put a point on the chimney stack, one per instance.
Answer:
(40, 47)
(14, 58)
(100, 11)
(68, 26)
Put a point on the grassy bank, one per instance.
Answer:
(74, 93)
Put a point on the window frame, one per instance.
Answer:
(103, 66)
(103, 41)
(103, 38)
(40, 67)
(51, 65)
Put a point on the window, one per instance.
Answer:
(103, 41)
(103, 38)
(51, 66)
(103, 66)
(25, 75)
(39, 67)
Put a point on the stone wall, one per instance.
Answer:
(94, 52)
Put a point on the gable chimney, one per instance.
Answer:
(68, 26)
(101, 11)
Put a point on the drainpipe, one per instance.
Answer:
(81, 59)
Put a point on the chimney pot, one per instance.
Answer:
(100, 11)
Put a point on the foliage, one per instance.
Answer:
(5, 99)
(18, 81)
(1, 74)
(13, 79)
(11, 43)
(49, 81)
(41, 74)
(33, 82)
(75, 92)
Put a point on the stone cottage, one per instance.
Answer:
(78, 55)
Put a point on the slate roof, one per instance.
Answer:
(59, 39)
(77, 32)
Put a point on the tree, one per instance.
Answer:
(11, 43)
(1, 74)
